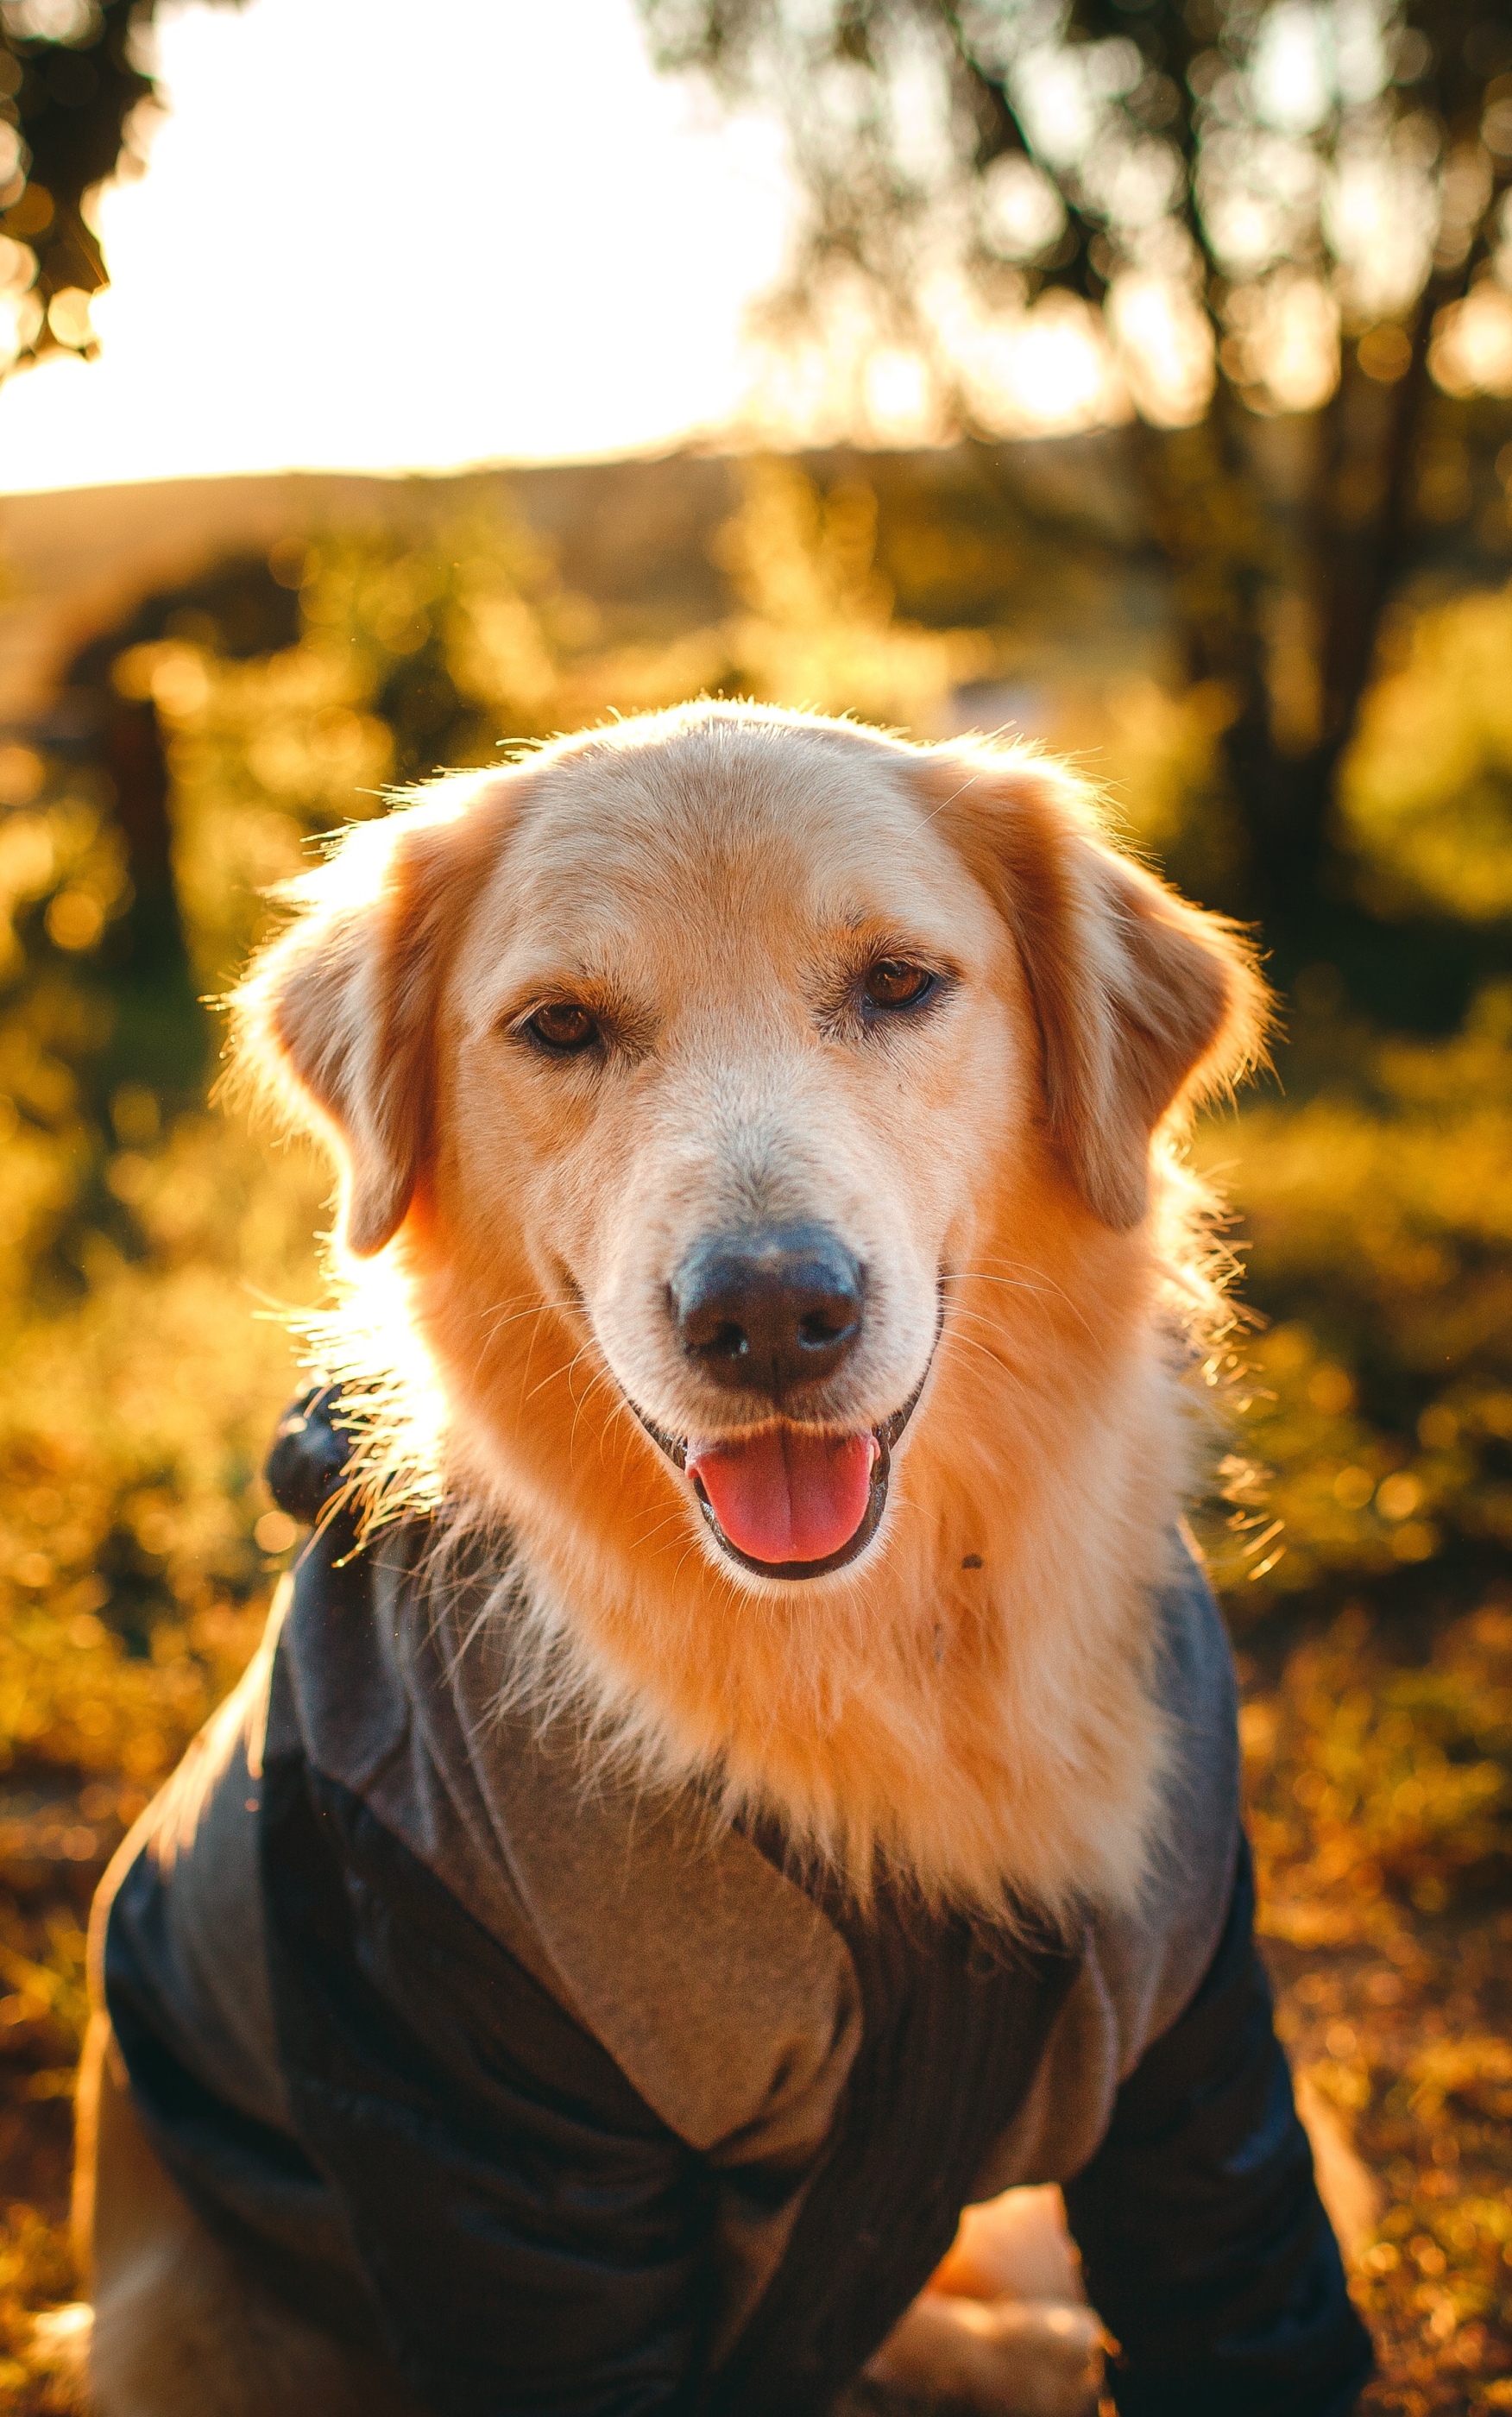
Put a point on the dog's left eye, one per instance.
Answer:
(562, 1028)
(895, 982)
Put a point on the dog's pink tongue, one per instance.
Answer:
(787, 1495)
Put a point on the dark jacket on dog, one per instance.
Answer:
(574, 2103)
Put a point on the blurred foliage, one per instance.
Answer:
(1425, 799)
(1280, 237)
(1379, 1783)
(1033, 152)
(130, 1437)
(816, 624)
(63, 858)
(1378, 1221)
(35, 2271)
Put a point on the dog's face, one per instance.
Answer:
(719, 1041)
(726, 1051)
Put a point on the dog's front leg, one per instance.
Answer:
(1003, 2324)
(180, 2329)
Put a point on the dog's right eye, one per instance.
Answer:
(562, 1028)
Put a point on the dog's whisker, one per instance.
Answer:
(525, 1396)
(1044, 1294)
(672, 1519)
(524, 1302)
(677, 1572)
(613, 1418)
(601, 1377)
(569, 1371)
(552, 1376)
(1008, 1283)
(556, 1375)
(1047, 1289)
(486, 1342)
(968, 1343)
(1024, 1383)
(496, 1324)
(959, 1315)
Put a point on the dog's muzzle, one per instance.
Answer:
(883, 1438)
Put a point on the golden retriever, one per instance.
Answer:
(758, 1141)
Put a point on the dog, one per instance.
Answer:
(743, 1774)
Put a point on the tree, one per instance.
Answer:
(72, 85)
(1261, 207)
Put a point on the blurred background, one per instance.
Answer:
(382, 385)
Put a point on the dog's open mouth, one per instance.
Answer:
(788, 1501)
(786, 1495)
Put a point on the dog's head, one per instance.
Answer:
(722, 1044)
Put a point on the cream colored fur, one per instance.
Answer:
(969, 1705)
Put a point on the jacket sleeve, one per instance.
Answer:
(531, 2236)
(1206, 2244)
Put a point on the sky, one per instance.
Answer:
(486, 232)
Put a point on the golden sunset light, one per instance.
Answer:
(484, 231)
(755, 1206)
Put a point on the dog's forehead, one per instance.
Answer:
(807, 827)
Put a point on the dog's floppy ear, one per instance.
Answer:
(1143, 1001)
(336, 1019)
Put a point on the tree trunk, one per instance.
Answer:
(1353, 544)
(160, 1028)
(133, 758)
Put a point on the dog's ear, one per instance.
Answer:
(1144, 1002)
(336, 1020)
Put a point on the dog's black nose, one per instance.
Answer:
(768, 1311)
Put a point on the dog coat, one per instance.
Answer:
(567, 2098)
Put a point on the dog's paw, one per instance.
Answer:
(1007, 2358)
(1013, 2247)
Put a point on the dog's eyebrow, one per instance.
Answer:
(853, 921)
(876, 927)
(552, 969)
